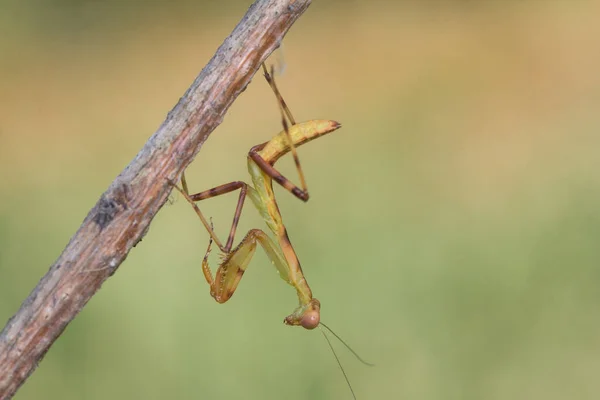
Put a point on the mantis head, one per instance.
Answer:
(307, 316)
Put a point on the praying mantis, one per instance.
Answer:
(235, 261)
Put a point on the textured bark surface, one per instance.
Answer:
(123, 213)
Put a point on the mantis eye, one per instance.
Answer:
(310, 320)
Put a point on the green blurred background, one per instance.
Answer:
(452, 231)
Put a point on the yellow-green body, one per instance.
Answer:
(281, 253)
(264, 199)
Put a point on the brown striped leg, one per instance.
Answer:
(302, 194)
(229, 187)
(288, 185)
(224, 189)
(207, 226)
(271, 81)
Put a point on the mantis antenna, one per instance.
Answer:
(337, 358)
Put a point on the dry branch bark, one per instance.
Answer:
(123, 213)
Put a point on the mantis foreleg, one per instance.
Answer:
(234, 264)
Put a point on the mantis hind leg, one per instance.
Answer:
(271, 81)
(301, 193)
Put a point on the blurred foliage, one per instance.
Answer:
(451, 234)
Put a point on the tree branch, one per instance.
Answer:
(123, 213)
